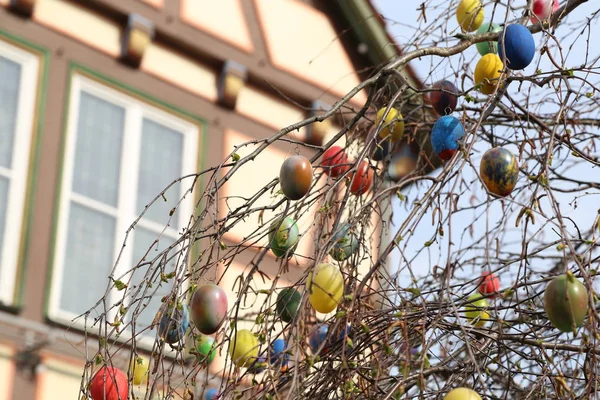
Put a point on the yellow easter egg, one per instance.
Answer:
(243, 348)
(487, 73)
(469, 15)
(462, 394)
(393, 126)
(139, 370)
(325, 286)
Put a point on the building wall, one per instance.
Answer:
(64, 43)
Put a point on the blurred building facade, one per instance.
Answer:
(105, 102)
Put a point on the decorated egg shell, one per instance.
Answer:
(484, 47)
(487, 73)
(211, 394)
(295, 177)
(381, 148)
(542, 9)
(284, 237)
(277, 352)
(205, 346)
(469, 15)
(287, 304)
(499, 171)
(209, 308)
(443, 97)
(139, 369)
(402, 163)
(325, 287)
(445, 135)
(243, 348)
(346, 243)
(174, 322)
(392, 128)
(516, 47)
(109, 383)
(317, 337)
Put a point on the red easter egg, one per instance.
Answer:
(443, 97)
(542, 9)
(109, 383)
(489, 284)
(362, 179)
(335, 161)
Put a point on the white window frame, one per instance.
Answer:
(125, 212)
(18, 175)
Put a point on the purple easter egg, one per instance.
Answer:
(209, 308)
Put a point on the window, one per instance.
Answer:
(18, 90)
(120, 153)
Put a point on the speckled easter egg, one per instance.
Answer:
(174, 322)
(284, 236)
(295, 177)
(445, 135)
(487, 73)
(469, 15)
(488, 47)
(393, 126)
(286, 306)
(443, 97)
(516, 47)
(317, 337)
(499, 171)
(345, 243)
(278, 353)
(205, 346)
(243, 348)
(209, 308)
(109, 383)
(211, 394)
(325, 287)
(542, 9)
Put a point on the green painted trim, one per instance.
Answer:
(43, 55)
(75, 68)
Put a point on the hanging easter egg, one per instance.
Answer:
(317, 337)
(393, 126)
(487, 73)
(488, 47)
(566, 302)
(516, 47)
(139, 370)
(362, 179)
(258, 366)
(325, 287)
(476, 310)
(286, 306)
(381, 148)
(209, 308)
(295, 177)
(205, 347)
(345, 243)
(443, 97)
(243, 348)
(109, 383)
(283, 237)
(462, 394)
(445, 135)
(335, 161)
(469, 15)
(211, 394)
(489, 285)
(499, 171)
(402, 163)
(543, 9)
(174, 322)
(278, 353)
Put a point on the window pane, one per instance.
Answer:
(10, 79)
(160, 164)
(152, 297)
(98, 150)
(4, 183)
(88, 258)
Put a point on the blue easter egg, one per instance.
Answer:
(317, 336)
(516, 46)
(445, 135)
(174, 324)
(211, 394)
(278, 352)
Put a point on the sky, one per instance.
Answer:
(403, 23)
